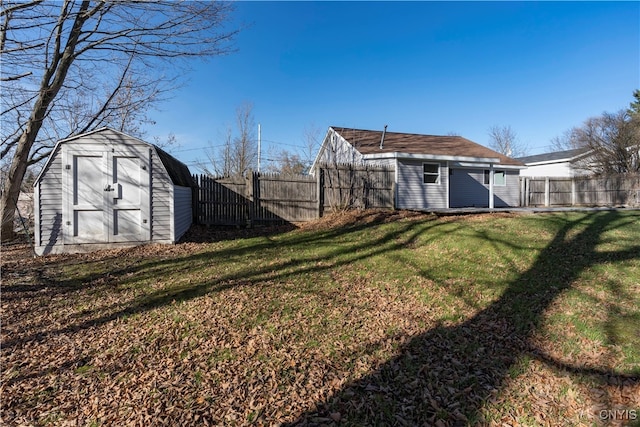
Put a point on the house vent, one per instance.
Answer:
(382, 139)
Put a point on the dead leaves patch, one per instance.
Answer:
(269, 350)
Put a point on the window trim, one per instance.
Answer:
(487, 174)
(438, 175)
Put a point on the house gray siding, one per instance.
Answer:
(412, 193)
(508, 195)
(48, 203)
(181, 211)
(467, 189)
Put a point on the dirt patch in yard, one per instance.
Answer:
(356, 217)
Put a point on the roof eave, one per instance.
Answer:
(399, 155)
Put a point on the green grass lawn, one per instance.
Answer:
(369, 318)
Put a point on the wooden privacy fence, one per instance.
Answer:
(356, 186)
(269, 198)
(615, 190)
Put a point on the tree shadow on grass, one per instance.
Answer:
(447, 374)
(134, 272)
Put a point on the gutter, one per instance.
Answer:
(397, 155)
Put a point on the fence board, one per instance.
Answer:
(358, 187)
(614, 190)
(268, 198)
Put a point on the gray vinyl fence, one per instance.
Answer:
(615, 190)
(272, 198)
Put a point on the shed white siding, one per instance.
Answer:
(181, 211)
(161, 202)
(413, 193)
(48, 203)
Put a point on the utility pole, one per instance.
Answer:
(259, 141)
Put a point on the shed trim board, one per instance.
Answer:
(106, 189)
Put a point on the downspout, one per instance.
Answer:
(382, 139)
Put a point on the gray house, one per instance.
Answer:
(431, 172)
(106, 189)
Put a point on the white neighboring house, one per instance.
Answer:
(561, 164)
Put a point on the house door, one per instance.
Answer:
(106, 197)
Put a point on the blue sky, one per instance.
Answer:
(419, 67)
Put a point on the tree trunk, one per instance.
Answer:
(11, 190)
(52, 81)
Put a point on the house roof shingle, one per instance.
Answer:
(368, 142)
(554, 156)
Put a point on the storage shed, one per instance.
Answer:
(105, 189)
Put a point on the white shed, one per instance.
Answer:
(106, 189)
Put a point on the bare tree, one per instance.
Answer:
(219, 157)
(238, 154)
(504, 140)
(287, 163)
(76, 65)
(245, 144)
(312, 140)
(613, 141)
(169, 141)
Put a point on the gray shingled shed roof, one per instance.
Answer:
(565, 155)
(178, 171)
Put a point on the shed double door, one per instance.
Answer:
(107, 196)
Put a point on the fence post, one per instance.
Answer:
(257, 202)
(320, 190)
(573, 191)
(393, 195)
(194, 199)
(248, 197)
(547, 197)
